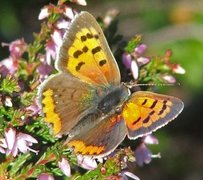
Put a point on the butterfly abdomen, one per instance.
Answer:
(113, 99)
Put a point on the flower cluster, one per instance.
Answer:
(159, 68)
(13, 143)
(26, 138)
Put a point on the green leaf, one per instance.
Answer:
(132, 44)
(9, 85)
(18, 164)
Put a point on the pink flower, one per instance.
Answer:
(34, 109)
(176, 68)
(80, 2)
(142, 60)
(53, 45)
(143, 155)
(135, 70)
(16, 48)
(44, 13)
(62, 24)
(86, 162)
(140, 49)
(169, 78)
(16, 142)
(150, 139)
(127, 59)
(8, 66)
(65, 167)
(44, 69)
(45, 176)
(131, 64)
(68, 12)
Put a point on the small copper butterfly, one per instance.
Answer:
(87, 101)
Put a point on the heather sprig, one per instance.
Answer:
(28, 148)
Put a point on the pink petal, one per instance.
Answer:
(169, 79)
(142, 60)
(10, 137)
(45, 176)
(22, 146)
(140, 49)
(69, 12)
(26, 137)
(2, 150)
(86, 162)
(57, 38)
(63, 24)
(150, 139)
(14, 151)
(127, 59)
(65, 167)
(143, 155)
(178, 69)
(44, 13)
(17, 48)
(81, 2)
(134, 70)
(10, 63)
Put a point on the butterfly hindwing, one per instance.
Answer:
(85, 53)
(64, 101)
(100, 140)
(145, 112)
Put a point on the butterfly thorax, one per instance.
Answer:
(114, 99)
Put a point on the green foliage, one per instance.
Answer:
(9, 85)
(131, 45)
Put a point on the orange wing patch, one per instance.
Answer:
(144, 111)
(81, 148)
(87, 59)
(49, 109)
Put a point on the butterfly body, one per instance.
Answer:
(87, 101)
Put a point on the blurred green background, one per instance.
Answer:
(176, 25)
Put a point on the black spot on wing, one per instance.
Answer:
(145, 101)
(162, 109)
(96, 50)
(102, 62)
(85, 49)
(154, 104)
(136, 121)
(77, 53)
(146, 120)
(78, 67)
(89, 36)
(83, 38)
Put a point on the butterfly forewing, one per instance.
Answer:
(85, 53)
(145, 112)
(65, 100)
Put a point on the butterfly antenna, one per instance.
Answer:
(134, 84)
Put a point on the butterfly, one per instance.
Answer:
(86, 100)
